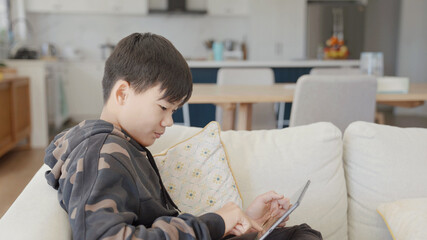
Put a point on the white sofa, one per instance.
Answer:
(351, 176)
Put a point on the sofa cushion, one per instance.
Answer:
(196, 173)
(283, 160)
(406, 219)
(382, 164)
(36, 213)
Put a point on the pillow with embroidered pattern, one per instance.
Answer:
(196, 173)
(406, 218)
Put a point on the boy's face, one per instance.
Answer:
(145, 115)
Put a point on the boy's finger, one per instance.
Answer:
(255, 224)
(268, 196)
(284, 203)
(283, 224)
(235, 232)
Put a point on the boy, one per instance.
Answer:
(107, 180)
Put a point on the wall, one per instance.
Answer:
(89, 32)
(275, 30)
(412, 48)
(278, 29)
(381, 31)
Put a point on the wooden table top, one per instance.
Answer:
(282, 92)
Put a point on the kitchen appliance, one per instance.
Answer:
(177, 6)
(320, 26)
(48, 51)
(372, 63)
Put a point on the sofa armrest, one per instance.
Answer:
(36, 213)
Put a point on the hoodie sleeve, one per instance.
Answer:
(104, 201)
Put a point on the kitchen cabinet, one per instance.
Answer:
(43, 5)
(83, 89)
(56, 6)
(125, 6)
(88, 6)
(45, 83)
(15, 122)
(57, 107)
(228, 7)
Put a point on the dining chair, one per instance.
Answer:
(379, 116)
(263, 113)
(185, 116)
(336, 71)
(338, 99)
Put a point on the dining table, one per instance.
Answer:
(229, 96)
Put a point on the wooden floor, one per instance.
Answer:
(18, 167)
(16, 170)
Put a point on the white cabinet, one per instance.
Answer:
(57, 107)
(88, 6)
(127, 6)
(43, 5)
(83, 89)
(55, 6)
(46, 93)
(228, 7)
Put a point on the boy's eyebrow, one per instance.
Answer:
(164, 99)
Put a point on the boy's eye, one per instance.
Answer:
(163, 108)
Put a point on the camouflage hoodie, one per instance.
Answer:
(111, 189)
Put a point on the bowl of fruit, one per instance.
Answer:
(335, 49)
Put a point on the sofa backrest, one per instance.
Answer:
(283, 160)
(382, 164)
(36, 213)
(280, 160)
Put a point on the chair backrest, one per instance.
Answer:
(249, 76)
(335, 71)
(263, 113)
(338, 99)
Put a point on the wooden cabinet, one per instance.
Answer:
(15, 121)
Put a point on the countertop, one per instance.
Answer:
(277, 64)
(218, 64)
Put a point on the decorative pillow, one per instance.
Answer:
(196, 173)
(405, 219)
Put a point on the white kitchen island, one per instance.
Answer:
(275, 64)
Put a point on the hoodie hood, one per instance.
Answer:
(64, 143)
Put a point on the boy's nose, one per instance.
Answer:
(167, 121)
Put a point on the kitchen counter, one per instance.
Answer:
(275, 64)
(310, 63)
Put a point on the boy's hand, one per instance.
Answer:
(236, 221)
(267, 205)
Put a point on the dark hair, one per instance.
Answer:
(145, 60)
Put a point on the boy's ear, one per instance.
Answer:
(121, 91)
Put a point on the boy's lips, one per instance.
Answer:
(158, 134)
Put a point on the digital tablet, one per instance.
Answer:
(272, 223)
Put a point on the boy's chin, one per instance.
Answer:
(148, 143)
